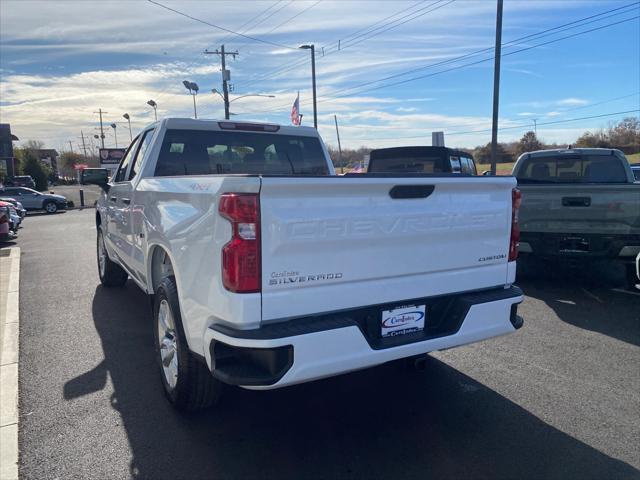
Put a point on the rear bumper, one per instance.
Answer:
(311, 348)
(570, 245)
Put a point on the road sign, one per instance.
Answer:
(111, 157)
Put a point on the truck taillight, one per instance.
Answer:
(514, 242)
(241, 255)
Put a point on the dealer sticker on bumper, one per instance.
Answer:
(402, 320)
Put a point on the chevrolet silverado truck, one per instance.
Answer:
(266, 269)
(579, 204)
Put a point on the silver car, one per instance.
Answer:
(34, 200)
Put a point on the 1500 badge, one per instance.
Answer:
(286, 278)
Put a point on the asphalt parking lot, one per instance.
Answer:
(560, 398)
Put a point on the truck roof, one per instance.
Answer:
(574, 151)
(418, 149)
(213, 124)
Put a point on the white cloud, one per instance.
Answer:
(572, 102)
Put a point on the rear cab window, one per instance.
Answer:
(572, 169)
(205, 152)
(427, 160)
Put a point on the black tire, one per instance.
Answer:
(111, 274)
(50, 206)
(195, 387)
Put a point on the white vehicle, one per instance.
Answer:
(266, 269)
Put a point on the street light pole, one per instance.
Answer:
(115, 134)
(154, 105)
(193, 90)
(312, 47)
(496, 89)
(126, 115)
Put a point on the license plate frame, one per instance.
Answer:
(403, 320)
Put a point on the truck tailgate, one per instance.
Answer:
(580, 209)
(344, 242)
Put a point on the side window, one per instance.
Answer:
(144, 144)
(467, 165)
(472, 166)
(455, 164)
(121, 174)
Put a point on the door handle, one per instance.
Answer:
(411, 191)
(113, 199)
(126, 201)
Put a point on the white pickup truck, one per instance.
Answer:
(266, 269)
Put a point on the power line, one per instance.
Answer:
(204, 22)
(164, 91)
(300, 62)
(513, 127)
(304, 10)
(543, 33)
(337, 46)
(371, 34)
(228, 37)
(458, 67)
(486, 122)
(477, 52)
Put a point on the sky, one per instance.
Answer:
(390, 71)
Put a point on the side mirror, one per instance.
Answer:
(95, 176)
(486, 173)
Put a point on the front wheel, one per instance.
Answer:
(110, 273)
(50, 207)
(188, 383)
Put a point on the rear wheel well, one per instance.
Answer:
(161, 267)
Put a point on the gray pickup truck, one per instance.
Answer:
(580, 203)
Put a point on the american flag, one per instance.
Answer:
(295, 111)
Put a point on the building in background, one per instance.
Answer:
(7, 161)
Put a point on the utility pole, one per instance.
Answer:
(226, 76)
(496, 89)
(71, 146)
(84, 146)
(535, 126)
(335, 118)
(101, 129)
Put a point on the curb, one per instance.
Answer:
(9, 369)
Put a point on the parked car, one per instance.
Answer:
(18, 206)
(579, 203)
(267, 270)
(34, 200)
(21, 181)
(635, 168)
(421, 160)
(5, 229)
(14, 218)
